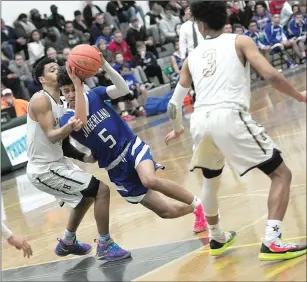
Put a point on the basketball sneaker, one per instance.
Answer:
(110, 251)
(200, 223)
(219, 244)
(126, 117)
(280, 250)
(77, 248)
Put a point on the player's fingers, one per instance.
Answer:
(67, 67)
(29, 248)
(73, 70)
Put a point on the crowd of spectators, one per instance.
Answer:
(132, 41)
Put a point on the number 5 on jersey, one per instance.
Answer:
(105, 138)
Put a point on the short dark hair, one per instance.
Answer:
(253, 21)
(168, 8)
(77, 13)
(68, 22)
(213, 13)
(39, 67)
(298, 13)
(63, 77)
(123, 66)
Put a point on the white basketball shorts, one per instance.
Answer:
(62, 179)
(232, 134)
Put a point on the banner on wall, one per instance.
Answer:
(14, 141)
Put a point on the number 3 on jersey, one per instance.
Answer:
(210, 62)
(105, 138)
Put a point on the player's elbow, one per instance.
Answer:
(52, 138)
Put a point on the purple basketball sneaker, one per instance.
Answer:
(110, 251)
(77, 248)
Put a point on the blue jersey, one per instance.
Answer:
(105, 133)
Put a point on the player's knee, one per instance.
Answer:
(103, 191)
(150, 182)
(92, 189)
(282, 173)
(210, 173)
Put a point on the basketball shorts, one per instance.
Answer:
(124, 175)
(62, 179)
(232, 134)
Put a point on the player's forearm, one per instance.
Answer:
(120, 84)
(6, 232)
(70, 151)
(174, 107)
(279, 82)
(56, 135)
(80, 107)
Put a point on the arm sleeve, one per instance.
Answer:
(70, 151)
(174, 107)
(6, 232)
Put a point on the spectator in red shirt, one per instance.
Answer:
(276, 6)
(119, 45)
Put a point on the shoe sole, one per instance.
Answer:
(114, 259)
(220, 251)
(67, 254)
(283, 256)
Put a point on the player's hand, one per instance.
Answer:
(303, 97)
(75, 124)
(89, 159)
(20, 244)
(173, 135)
(71, 71)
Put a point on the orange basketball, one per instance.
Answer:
(86, 60)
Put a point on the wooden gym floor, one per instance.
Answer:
(166, 250)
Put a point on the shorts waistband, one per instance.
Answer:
(117, 161)
(225, 105)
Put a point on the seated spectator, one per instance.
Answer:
(275, 37)
(80, 25)
(96, 28)
(138, 71)
(276, 6)
(295, 8)
(36, 47)
(66, 52)
(90, 12)
(253, 33)
(132, 9)
(116, 10)
(71, 37)
(183, 4)
(10, 42)
(136, 89)
(304, 14)
(262, 16)
(228, 28)
(238, 29)
(296, 33)
(8, 100)
(168, 25)
(107, 54)
(148, 62)
(120, 45)
(177, 63)
(23, 27)
(20, 68)
(106, 35)
(52, 54)
(40, 24)
(152, 21)
(286, 14)
(11, 80)
(56, 19)
(237, 15)
(52, 40)
(137, 33)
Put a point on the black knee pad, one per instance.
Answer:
(209, 173)
(272, 164)
(92, 189)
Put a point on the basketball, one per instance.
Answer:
(86, 60)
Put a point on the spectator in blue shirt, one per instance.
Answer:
(275, 37)
(295, 32)
(106, 35)
(252, 32)
(136, 89)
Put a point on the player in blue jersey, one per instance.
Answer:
(125, 156)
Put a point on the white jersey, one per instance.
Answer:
(40, 150)
(218, 75)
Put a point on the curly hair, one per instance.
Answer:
(213, 13)
(63, 77)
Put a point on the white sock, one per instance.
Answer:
(69, 237)
(273, 230)
(196, 202)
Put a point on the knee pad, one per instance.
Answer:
(92, 189)
(209, 173)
